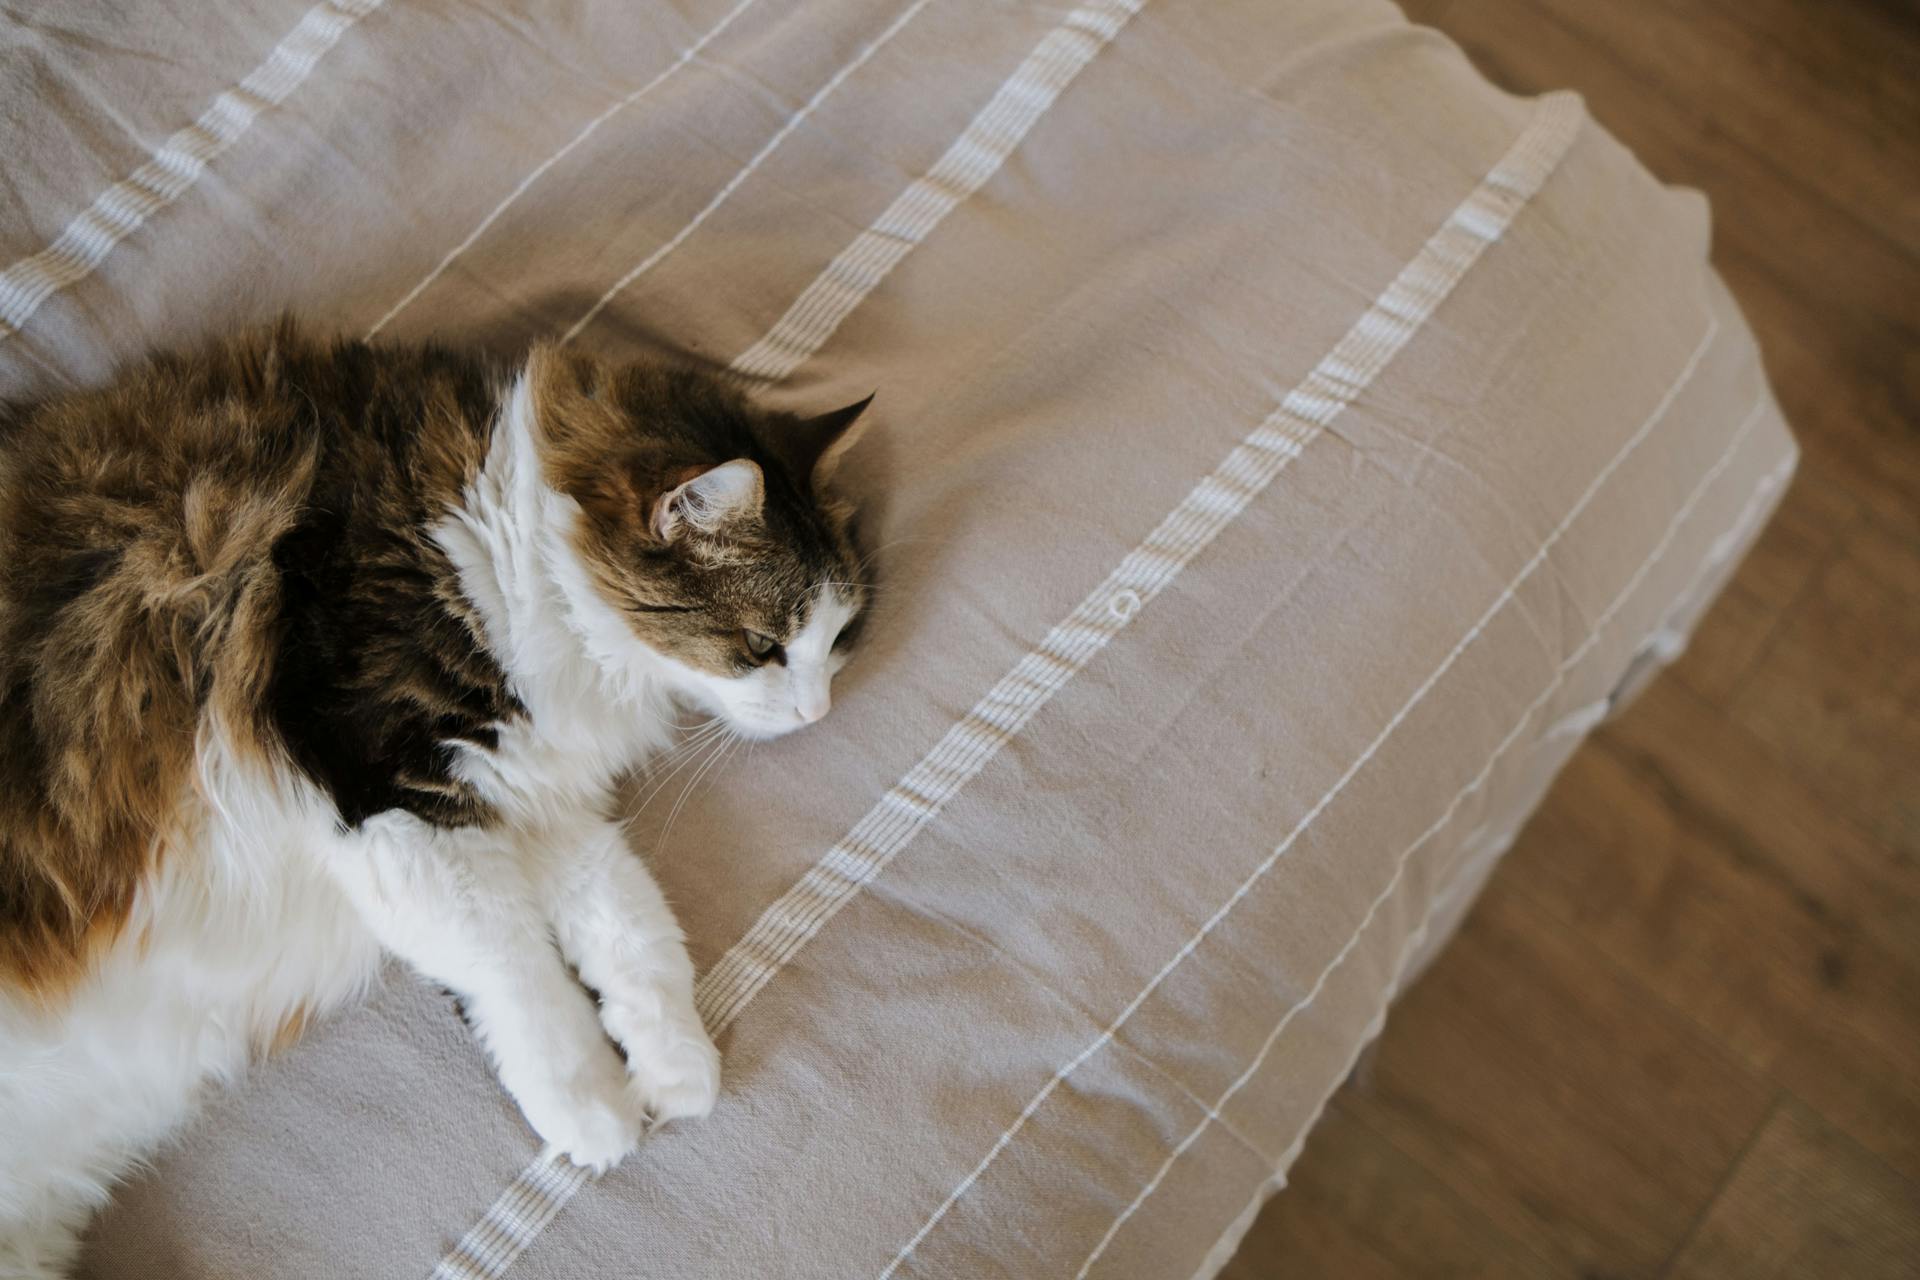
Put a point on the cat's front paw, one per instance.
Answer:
(673, 1070)
(679, 1078)
(591, 1120)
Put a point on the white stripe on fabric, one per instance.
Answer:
(1478, 781)
(121, 209)
(539, 171)
(759, 157)
(498, 1238)
(975, 156)
(1387, 325)
(510, 1224)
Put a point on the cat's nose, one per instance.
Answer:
(813, 705)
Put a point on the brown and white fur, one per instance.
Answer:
(314, 651)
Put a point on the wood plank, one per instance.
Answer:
(1837, 695)
(1678, 848)
(1852, 393)
(1805, 1201)
(1772, 58)
(1361, 1208)
(1557, 1097)
(1806, 533)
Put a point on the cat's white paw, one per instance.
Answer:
(673, 1070)
(591, 1119)
(677, 1077)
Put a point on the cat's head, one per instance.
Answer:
(707, 527)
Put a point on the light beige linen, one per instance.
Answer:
(1148, 789)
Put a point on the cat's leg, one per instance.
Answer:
(460, 907)
(617, 929)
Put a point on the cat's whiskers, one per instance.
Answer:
(727, 744)
(654, 767)
(679, 754)
(680, 757)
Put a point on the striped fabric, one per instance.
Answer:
(975, 156)
(541, 170)
(511, 1222)
(1301, 444)
(747, 170)
(1346, 372)
(124, 208)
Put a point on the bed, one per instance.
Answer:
(1288, 447)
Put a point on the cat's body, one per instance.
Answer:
(310, 652)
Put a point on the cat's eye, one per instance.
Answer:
(758, 645)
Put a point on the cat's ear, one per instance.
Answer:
(708, 499)
(814, 446)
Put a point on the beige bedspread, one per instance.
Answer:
(1288, 445)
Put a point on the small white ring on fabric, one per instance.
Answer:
(1125, 604)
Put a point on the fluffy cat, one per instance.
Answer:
(313, 650)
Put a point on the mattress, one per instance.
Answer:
(1287, 447)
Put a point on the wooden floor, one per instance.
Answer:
(1680, 1035)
